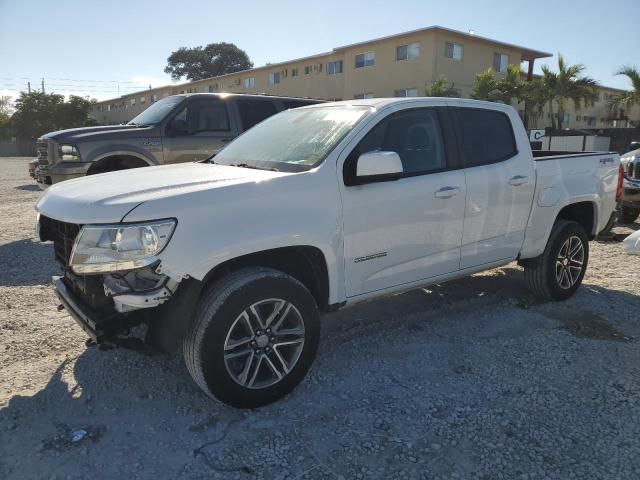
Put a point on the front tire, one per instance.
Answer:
(254, 337)
(628, 214)
(558, 272)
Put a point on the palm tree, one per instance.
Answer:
(568, 85)
(626, 100)
(442, 88)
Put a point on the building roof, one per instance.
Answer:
(527, 53)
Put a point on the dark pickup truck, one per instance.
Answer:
(179, 128)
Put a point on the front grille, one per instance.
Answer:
(42, 148)
(634, 170)
(63, 236)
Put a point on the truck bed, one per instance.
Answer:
(586, 178)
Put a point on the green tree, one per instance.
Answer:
(5, 110)
(442, 88)
(567, 85)
(626, 100)
(484, 86)
(37, 113)
(208, 61)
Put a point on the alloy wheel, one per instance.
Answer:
(264, 343)
(570, 262)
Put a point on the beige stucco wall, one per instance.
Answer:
(381, 79)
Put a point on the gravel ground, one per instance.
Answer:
(470, 379)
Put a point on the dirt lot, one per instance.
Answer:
(470, 379)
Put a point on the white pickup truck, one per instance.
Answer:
(315, 209)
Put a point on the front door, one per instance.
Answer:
(404, 230)
(198, 130)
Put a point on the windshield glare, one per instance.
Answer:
(157, 112)
(292, 141)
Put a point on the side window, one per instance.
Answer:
(296, 103)
(201, 115)
(254, 111)
(414, 135)
(487, 136)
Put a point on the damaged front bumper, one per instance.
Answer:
(97, 328)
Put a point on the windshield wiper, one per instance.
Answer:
(246, 165)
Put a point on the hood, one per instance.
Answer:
(74, 134)
(108, 197)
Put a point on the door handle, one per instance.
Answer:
(447, 192)
(518, 180)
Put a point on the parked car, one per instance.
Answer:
(630, 197)
(313, 210)
(176, 129)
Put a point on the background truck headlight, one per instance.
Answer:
(114, 248)
(69, 153)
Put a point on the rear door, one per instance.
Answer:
(401, 231)
(500, 182)
(198, 130)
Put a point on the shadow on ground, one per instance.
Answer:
(29, 188)
(25, 262)
(136, 408)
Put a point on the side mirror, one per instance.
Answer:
(378, 166)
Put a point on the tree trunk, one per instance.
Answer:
(553, 118)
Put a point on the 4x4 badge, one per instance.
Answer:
(151, 143)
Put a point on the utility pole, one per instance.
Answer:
(42, 84)
(29, 86)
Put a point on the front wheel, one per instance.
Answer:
(558, 272)
(254, 337)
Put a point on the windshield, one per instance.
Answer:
(157, 112)
(292, 141)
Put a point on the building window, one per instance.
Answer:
(294, 72)
(363, 96)
(578, 118)
(249, 82)
(307, 70)
(274, 78)
(406, 92)
(334, 67)
(408, 52)
(500, 62)
(154, 97)
(133, 102)
(143, 100)
(453, 51)
(165, 94)
(367, 59)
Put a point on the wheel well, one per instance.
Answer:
(582, 213)
(304, 263)
(116, 162)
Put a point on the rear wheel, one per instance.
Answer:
(628, 214)
(254, 337)
(558, 272)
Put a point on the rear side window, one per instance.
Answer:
(253, 111)
(487, 136)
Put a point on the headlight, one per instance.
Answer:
(113, 248)
(69, 153)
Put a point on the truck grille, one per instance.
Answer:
(42, 149)
(63, 236)
(634, 170)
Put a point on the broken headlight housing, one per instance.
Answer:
(120, 247)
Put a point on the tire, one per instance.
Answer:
(628, 214)
(222, 320)
(544, 276)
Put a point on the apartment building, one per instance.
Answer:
(398, 65)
